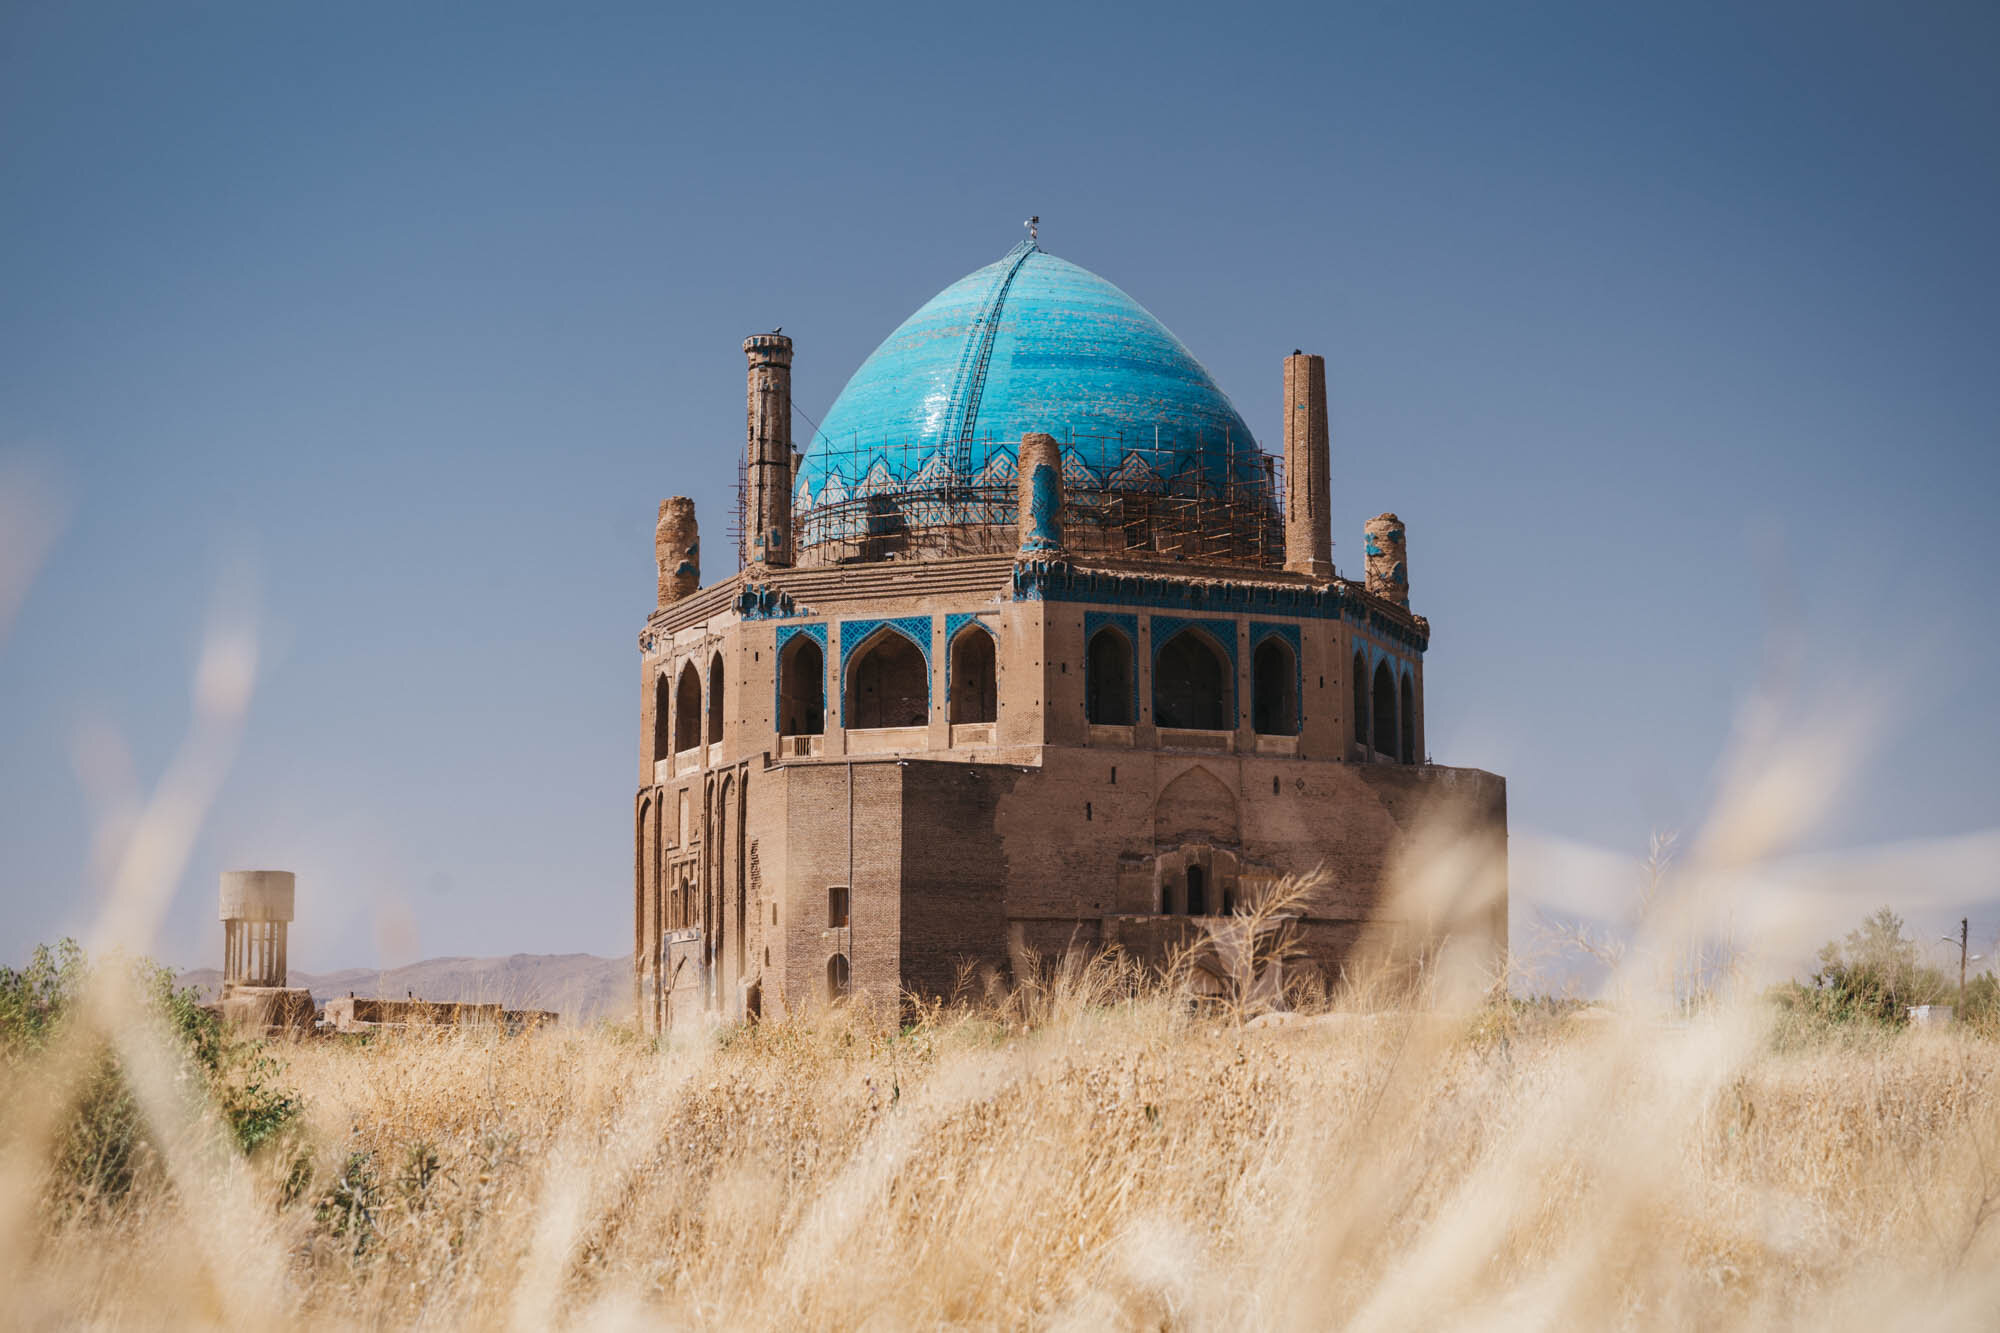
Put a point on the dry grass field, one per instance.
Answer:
(1077, 1155)
(1088, 1151)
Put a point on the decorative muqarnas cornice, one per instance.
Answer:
(1056, 581)
(758, 602)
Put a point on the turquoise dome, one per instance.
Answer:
(1029, 343)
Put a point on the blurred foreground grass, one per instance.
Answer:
(1083, 1155)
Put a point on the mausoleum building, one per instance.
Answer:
(1032, 647)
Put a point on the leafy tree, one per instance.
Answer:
(1872, 976)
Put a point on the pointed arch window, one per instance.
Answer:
(974, 676)
(1191, 684)
(1384, 708)
(802, 688)
(1274, 682)
(715, 698)
(1107, 688)
(687, 709)
(889, 684)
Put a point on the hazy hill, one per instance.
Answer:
(580, 986)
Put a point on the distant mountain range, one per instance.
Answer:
(581, 987)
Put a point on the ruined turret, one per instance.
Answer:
(677, 548)
(1388, 572)
(1039, 483)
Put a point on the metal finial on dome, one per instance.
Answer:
(1033, 225)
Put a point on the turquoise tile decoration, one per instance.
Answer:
(1028, 343)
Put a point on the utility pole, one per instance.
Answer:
(1964, 937)
(1964, 932)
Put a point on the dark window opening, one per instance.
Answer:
(1197, 892)
(663, 698)
(1409, 715)
(836, 907)
(1360, 702)
(715, 699)
(836, 976)
(687, 709)
(1191, 685)
(974, 683)
(1385, 710)
(1274, 784)
(890, 684)
(1107, 686)
(1086, 812)
(801, 688)
(1274, 689)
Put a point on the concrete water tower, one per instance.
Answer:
(256, 909)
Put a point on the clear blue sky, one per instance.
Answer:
(1655, 324)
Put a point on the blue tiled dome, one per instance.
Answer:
(1030, 343)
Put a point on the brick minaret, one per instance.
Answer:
(1388, 557)
(1308, 522)
(767, 510)
(677, 549)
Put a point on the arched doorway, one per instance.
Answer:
(1384, 709)
(1191, 685)
(889, 684)
(836, 977)
(1274, 682)
(1107, 680)
(974, 677)
(801, 688)
(1197, 891)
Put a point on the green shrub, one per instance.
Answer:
(1872, 977)
(102, 1144)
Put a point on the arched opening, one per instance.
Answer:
(1107, 679)
(1360, 679)
(1385, 710)
(801, 688)
(974, 677)
(1409, 716)
(663, 699)
(740, 865)
(726, 829)
(1191, 685)
(889, 684)
(1197, 891)
(715, 699)
(687, 710)
(836, 976)
(1274, 697)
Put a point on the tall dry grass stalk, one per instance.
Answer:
(1130, 1164)
(1087, 1150)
